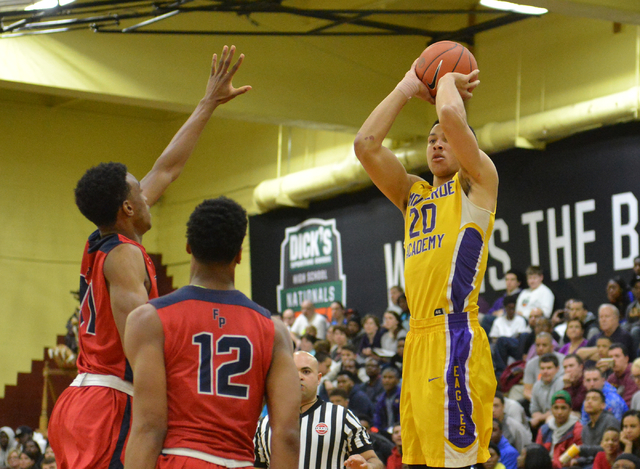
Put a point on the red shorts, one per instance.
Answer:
(170, 461)
(89, 428)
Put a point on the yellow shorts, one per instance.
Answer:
(448, 385)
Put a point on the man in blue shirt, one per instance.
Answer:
(614, 403)
(508, 454)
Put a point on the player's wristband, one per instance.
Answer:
(408, 88)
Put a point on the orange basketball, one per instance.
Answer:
(441, 58)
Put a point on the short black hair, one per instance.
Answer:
(472, 131)
(101, 191)
(500, 396)
(597, 391)
(519, 275)
(216, 229)
(510, 300)
(550, 358)
(339, 392)
(621, 346)
(634, 282)
(577, 357)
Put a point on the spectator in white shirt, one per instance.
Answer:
(538, 295)
(510, 324)
(310, 317)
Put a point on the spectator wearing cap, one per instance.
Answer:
(7, 443)
(562, 430)
(359, 403)
(626, 461)
(599, 420)
(550, 381)
(508, 454)
(387, 410)
(621, 378)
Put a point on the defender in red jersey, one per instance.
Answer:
(205, 357)
(91, 420)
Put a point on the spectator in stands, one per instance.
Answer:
(23, 433)
(354, 331)
(635, 374)
(630, 434)
(598, 421)
(632, 326)
(579, 311)
(349, 361)
(562, 430)
(609, 320)
(513, 429)
(338, 316)
(49, 463)
(534, 456)
(339, 397)
(381, 446)
(340, 339)
(513, 281)
(573, 381)
(387, 409)
(494, 459)
(394, 293)
(549, 383)
(372, 335)
(559, 320)
(359, 403)
(626, 461)
(618, 294)
(538, 295)
(328, 369)
(509, 324)
(594, 379)
(395, 460)
(288, 318)
(27, 461)
(396, 360)
(542, 325)
(306, 343)
(309, 317)
(373, 388)
(621, 377)
(7, 443)
(610, 449)
(394, 331)
(575, 337)
(543, 346)
(33, 450)
(405, 314)
(635, 274)
(508, 454)
(13, 458)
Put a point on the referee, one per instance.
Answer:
(331, 437)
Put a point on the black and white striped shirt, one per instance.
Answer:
(329, 434)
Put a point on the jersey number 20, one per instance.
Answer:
(225, 345)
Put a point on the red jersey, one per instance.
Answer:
(217, 351)
(100, 347)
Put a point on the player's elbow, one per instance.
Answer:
(364, 146)
(288, 436)
(450, 117)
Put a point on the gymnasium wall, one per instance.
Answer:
(69, 101)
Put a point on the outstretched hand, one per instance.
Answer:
(219, 87)
(465, 84)
(356, 461)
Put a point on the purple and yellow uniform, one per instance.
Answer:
(447, 372)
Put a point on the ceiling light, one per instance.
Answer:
(513, 7)
(46, 4)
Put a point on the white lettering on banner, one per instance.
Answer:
(559, 242)
(532, 219)
(316, 295)
(500, 255)
(584, 237)
(624, 231)
(394, 266)
(306, 246)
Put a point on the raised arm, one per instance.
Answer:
(125, 271)
(144, 344)
(477, 171)
(380, 163)
(219, 91)
(283, 401)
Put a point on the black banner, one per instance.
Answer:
(572, 209)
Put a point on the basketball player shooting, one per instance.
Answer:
(448, 380)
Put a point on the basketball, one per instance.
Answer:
(441, 58)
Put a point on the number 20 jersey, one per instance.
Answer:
(217, 349)
(445, 250)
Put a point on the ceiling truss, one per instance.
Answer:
(136, 17)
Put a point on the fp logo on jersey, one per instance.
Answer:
(321, 429)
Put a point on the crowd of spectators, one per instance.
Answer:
(25, 449)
